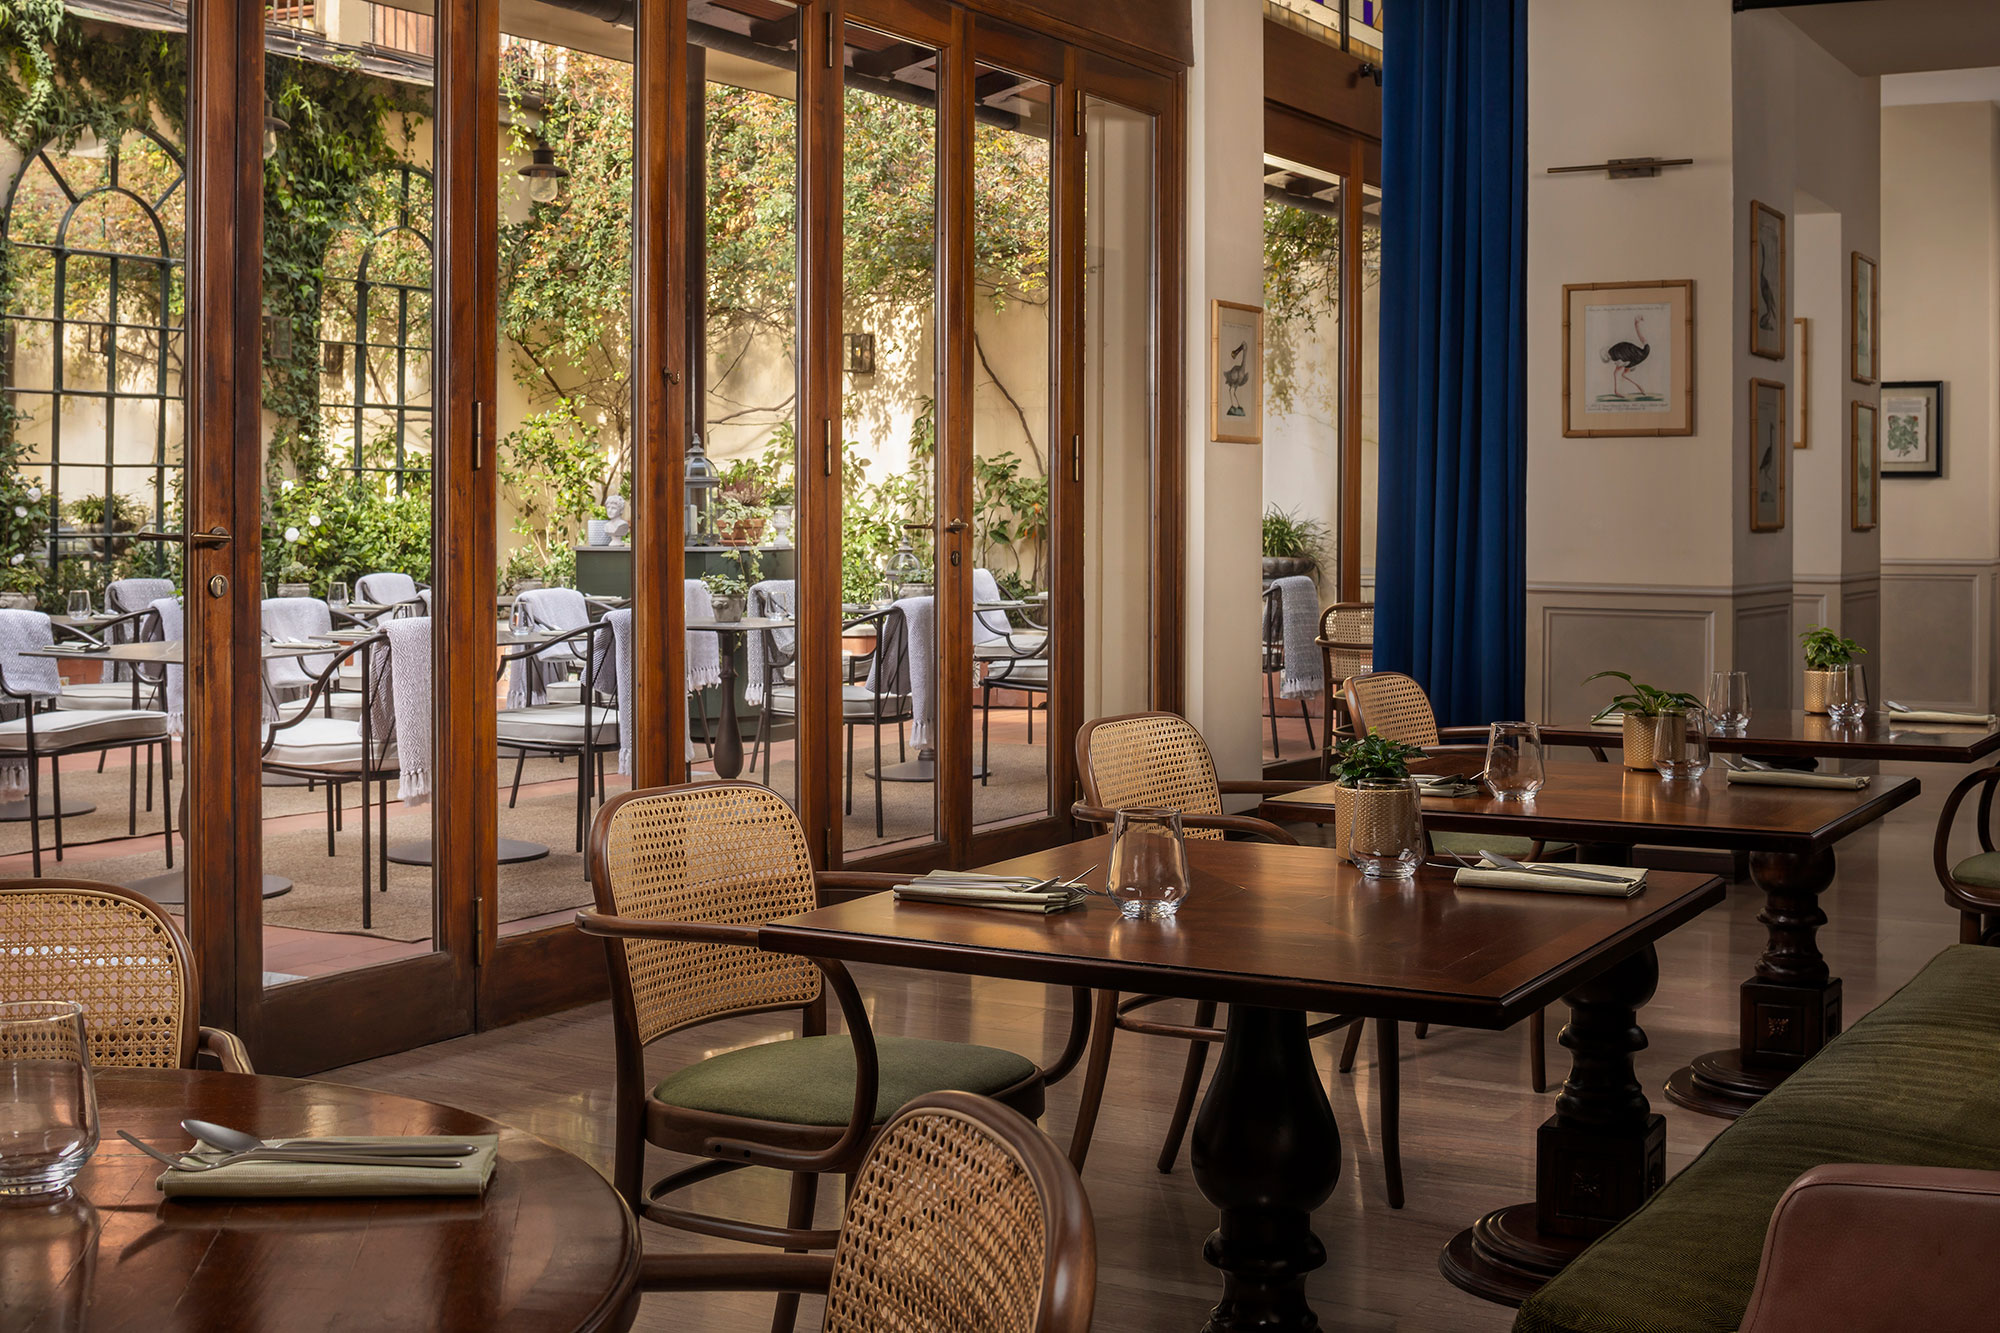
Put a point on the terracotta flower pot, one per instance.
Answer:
(1639, 741)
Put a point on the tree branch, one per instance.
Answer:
(1041, 464)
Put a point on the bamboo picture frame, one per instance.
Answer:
(1770, 445)
(1864, 319)
(1620, 380)
(1802, 413)
(1235, 373)
(1770, 292)
(1864, 467)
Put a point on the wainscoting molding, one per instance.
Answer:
(1666, 636)
(1937, 626)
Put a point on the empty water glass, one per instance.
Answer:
(336, 593)
(1515, 764)
(1729, 700)
(1149, 869)
(1847, 693)
(79, 604)
(48, 1104)
(1680, 744)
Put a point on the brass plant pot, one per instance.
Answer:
(1639, 731)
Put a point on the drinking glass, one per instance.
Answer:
(1729, 699)
(336, 593)
(1515, 767)
(79, 604)
(1680, 743)
(519, 621)
(1847, 693)
(1384, 836)
(1149, 869)
(48, 1104)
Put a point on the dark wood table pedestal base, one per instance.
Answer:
(1791, 1005)
(1266, 1152)
(1601, 1155)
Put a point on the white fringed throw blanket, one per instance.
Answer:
(168, 609)
(614, 676)
(704, 657)
(21, 631)
(123, 597)
(406, 704)
(776, 599)
(558, 610)
(1298, 611)
(904, 656)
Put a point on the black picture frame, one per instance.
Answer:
(1929, 458)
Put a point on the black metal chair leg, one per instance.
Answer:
(131, 790)
(1305, 711)
(1271, 706)
(878, 777)
(1389, 1062)
(520, 762)
(55, 785)
(35, 811)
(986, 730)
(166, 811)
(167, 789)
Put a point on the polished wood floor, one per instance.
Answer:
(1468, 1120)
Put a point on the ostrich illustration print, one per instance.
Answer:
(1236, 377)
(1624, 357)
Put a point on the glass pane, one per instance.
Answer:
(741, 685)
(1012, 208)
(889, 440)
(1371, 376)
(90, 350)
(1118, 356)
(566, 432)
(1301, 428)
(348, 823)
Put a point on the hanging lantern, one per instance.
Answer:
(699, 480)
(543, 174)
(274, 125)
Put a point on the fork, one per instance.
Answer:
(190, 1163)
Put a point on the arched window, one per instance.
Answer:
(375, 331)
(92, 354)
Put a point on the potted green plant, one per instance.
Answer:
(1377, 809)
(1292, 545)
(727, 594)
(1827, 656)
(1642, 707)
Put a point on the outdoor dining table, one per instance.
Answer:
(728, 734)
(1791, 1002)
(1274, 931)
(548, 1248)
(1797, 735)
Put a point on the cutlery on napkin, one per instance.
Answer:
(1790, 777)
(1901, 713)
(1543, 877)
(283, 1177)
(1447, 785)
(1006, 893)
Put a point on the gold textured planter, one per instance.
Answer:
(1639, 740)
(1378, 810)
(1818, 687)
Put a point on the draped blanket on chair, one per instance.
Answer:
(1450, 592)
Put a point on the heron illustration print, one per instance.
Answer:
(1629, 363)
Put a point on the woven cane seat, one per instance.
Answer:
(112, 954)
(810, 1080)
(1153, 760)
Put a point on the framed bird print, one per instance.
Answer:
(1236, 373)
(1770, 302)
(1864, 317)
(1864, 457)
(1628, 358)
(1770, 447)
(1913, 428)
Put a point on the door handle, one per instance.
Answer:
(216, 536)
(956, 525)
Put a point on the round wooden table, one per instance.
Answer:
(549, 1247)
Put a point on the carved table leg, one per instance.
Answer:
(1266, 1152)
(1601, 1155)
(1790, 1006)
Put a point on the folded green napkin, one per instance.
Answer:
(1608, 720)
(1787, 777)
(999, 892)
(273, 1179)
(1486, 875)
(1940, 715)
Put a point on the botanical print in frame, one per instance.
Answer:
(1236, 373)
(1865, 318)
(1913, 429)
(1864, 457)
(1770, 302)
(1628, 358)
(1802, 380)
(1770, 443)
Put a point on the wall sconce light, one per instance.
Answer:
(858, 353)
(334, 358)
(274, 125)
(544, 174)
(277, 338)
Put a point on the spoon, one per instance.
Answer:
(236, 1141)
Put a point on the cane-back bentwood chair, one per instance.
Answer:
(1346, 649)
(1160, 760)
(963, 1217)
(1393, 704)
(1971, 885)
(124, 960)
(683, 877)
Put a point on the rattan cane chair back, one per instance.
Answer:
(1347, 639)
(1153, 760)
(111, 951)
(965, 1218)
(1393, 704)
(726, 853)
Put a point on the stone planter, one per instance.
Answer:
(1639, 741)
(728, 608)
(1818, 689)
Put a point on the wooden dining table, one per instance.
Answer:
(549, 1247)
(1790, 1004)
(1796, 735)
(1274, 931)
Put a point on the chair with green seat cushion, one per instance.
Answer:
(683, 878)
(1971, 884)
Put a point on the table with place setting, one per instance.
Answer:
(1896, 734)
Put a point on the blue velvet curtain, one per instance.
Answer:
(1450, 564)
